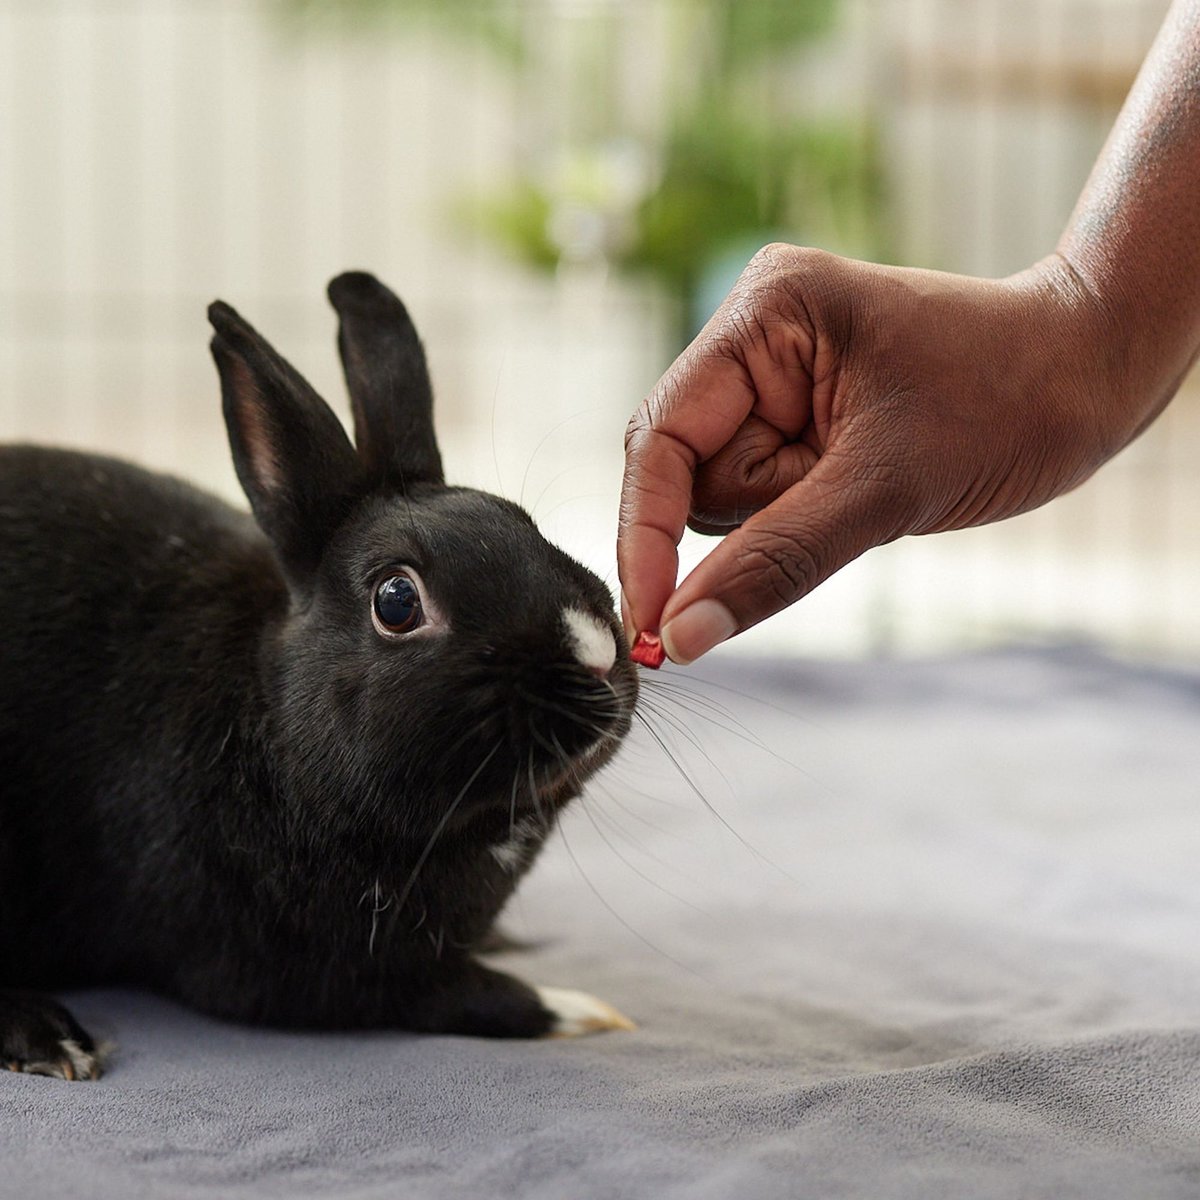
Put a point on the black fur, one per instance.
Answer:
(390, 393)
(217, 779)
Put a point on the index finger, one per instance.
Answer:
(656, 495)
(696, 409)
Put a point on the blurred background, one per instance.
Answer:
(562, 191)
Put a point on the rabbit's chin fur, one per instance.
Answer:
(223, 777)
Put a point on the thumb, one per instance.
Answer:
(777, 556)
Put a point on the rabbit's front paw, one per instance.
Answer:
(576, 1013)
(40, 1037)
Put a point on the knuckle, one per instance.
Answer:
(757, 308)
(781, 287)
(638, 424)
(773, 256)
(783, 262)
(669, 396)
(746, 326)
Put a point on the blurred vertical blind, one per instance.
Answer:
(155, 154)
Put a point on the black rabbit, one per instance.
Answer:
(288, 772)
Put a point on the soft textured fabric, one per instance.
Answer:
(907, 930)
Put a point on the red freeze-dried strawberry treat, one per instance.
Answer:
(647, 650)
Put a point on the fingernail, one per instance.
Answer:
(696, 630)
(627, 620)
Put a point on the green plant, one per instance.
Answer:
(728, 177)
(733, 162)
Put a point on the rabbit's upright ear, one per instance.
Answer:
(291, 453)
(388, 383)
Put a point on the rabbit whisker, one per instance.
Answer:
(671, 689)
(406, 891)
(608, 841)
(602, 811)
(541, 741)
(534, 798)
(563, 711)
(693, 787)
(614, 913)
(632, 866)
(376, 909)
(512, 805)
(704, 707)
(583, 412)
(612, 798)
(684, 732)
(677, 679)
(573, 470)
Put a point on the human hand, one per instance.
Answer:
(831, 405)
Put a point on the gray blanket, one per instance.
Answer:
(905, 930)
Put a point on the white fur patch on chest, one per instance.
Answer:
(511, 854)
(591, 639)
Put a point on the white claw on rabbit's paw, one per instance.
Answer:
(577, 1013)
(74, 1062)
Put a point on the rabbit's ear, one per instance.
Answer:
(388, 383)
(291, 453)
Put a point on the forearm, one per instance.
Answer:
(1134, 238)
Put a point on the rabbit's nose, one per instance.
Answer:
(591, 640)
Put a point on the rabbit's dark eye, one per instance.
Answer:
(398, 604)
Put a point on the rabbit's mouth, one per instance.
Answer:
(559, 781)
(546, 733)
(589, 760)
(545, 768)
(543, 784)
(569, 721)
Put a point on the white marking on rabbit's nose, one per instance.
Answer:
(592, 641)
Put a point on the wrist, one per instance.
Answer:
(1109, 370)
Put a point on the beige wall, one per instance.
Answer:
(155, 154)
(159, 154)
